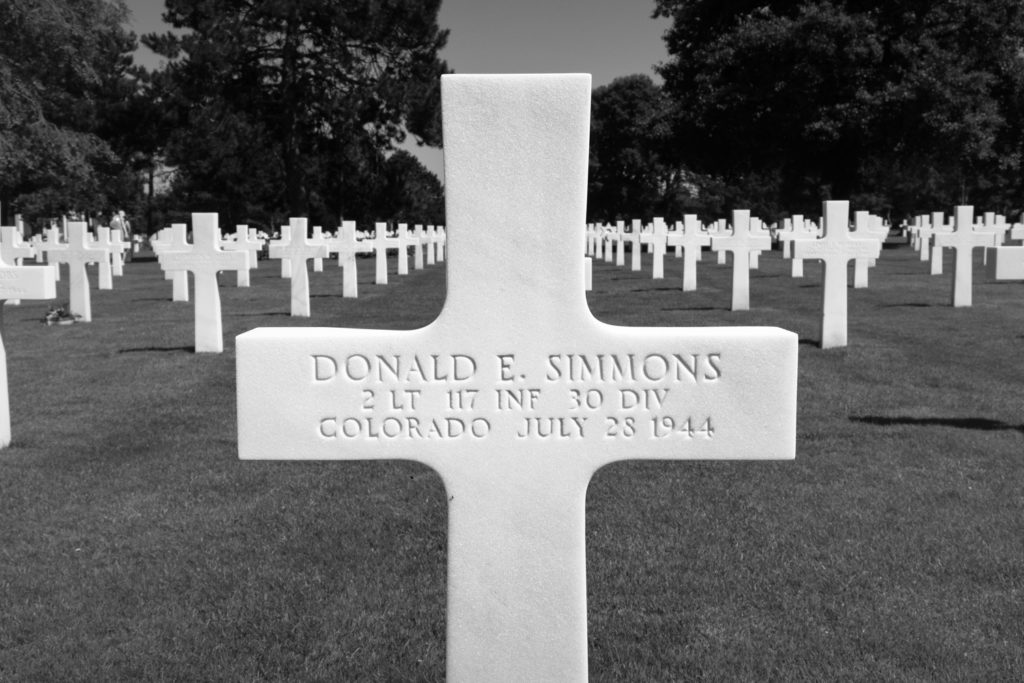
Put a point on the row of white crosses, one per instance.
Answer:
(746, 237)
(930, 234)
(207, 255)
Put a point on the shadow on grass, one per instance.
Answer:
(660, 289)
(143, 349)
(696, 308)
(982, 423)
(256, 315)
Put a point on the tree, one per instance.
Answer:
(60, 63)
(275, 97)
(410, 193)
(897, 102)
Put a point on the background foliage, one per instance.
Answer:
(894, 104)
(271, 108)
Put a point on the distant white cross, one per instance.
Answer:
(964, 239)
(692, 240)
(204, 258)
(299, 249)
(79, 251)
(741, 243)
(835, 249)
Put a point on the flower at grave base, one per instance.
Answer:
(60, 315)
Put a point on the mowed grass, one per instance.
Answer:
(135, 545)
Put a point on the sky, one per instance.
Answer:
(605, 38)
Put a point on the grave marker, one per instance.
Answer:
(1007, 263)
(106, 268)
(691, 239)
(318, 239)
(13, 250)
(516, 395)
(299, 249)
(417, 247)
(657, 244)
(284, 239)
(18, 282)
(204, 258)
(963, 240)
(835, 249)
(741, 243)
(52, 259)
(177, 240)
(348, 245)
(431, 243)
(404, 240)
(79, 251)
(249, 242)
(938, 228)
(381, 244)
(620, 243)
(636, 251)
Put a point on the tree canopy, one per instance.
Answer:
(63, 65)
(896, 104)
(291, 107)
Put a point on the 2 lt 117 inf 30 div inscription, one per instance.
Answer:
(573, 396)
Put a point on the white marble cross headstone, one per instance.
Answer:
(658, 243)
(742, 242)
(516, 395)
(176, 240)
(635, 251)
(318, 239)
(106, 269)
(51, 246)
(864, 226)
(299, 249)
(79, 251)
(692, 239)
(432, 243)
(204, 258)
(404, 240)
(620, 243)
(417, 247)
(800, 232)
(1007, 263)
(284, 239)
(13, 250)
(835, 249)
(939, 227)
(248, 242)
(964, 239)
(115, 244)
(924, 237)
(348, 245)
(381, 244)
(18, 282)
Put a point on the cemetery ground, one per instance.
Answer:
(135, 545)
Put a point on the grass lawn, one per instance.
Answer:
(134, 545)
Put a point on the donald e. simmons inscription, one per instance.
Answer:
(516, 395)
(618, 396)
